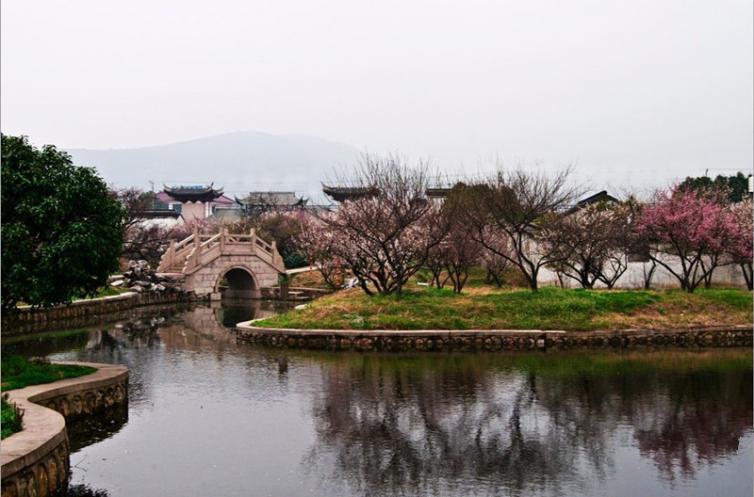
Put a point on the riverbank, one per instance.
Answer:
(18, 372)
(548, 309)
(490, 340)
(35, 461)
(83, 312)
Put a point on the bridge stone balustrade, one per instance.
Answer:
(245, 262)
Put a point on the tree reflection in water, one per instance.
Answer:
(523, 423)
(87, 430)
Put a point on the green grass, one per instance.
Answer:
(10, 419)
(18, 372)
(550, 308)
(105, 291)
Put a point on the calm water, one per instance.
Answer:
(209, 417)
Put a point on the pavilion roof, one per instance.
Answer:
(342, 193)
(193, 193)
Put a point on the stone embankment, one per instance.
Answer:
(35, 461)
(490, 340)
(82, 312)
(294, 293)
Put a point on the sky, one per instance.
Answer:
(629, 92)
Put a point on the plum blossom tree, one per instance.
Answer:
(510, 210)
(455, 254)
(319, 244)
(494, 266)
(276, 224)
(638, 242)
(385, 238)
(740, 250)
(690, 227)
(590, 244)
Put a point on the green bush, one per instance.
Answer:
(10, 418)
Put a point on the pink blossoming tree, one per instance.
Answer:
(384, 238)
(693, 229)
(740, 250)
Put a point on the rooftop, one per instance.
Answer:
(342, 193)
(193, 193)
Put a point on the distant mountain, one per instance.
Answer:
(239, 162)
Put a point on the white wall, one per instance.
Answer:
(634, 276)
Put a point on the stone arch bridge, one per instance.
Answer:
(224, 264)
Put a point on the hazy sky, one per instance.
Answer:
(627, 90)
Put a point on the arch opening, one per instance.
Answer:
(238, 283)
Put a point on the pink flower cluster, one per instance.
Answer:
(698, 230)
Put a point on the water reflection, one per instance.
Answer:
(87, 430)
(85, 491)
(416, 426)
(277, 422)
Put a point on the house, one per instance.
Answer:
(194, 202)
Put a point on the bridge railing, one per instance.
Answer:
(198, 249)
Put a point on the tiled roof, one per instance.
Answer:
(193, 193)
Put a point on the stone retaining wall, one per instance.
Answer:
(305, 292)
(35, 461)
(82, 312)
(490, 340)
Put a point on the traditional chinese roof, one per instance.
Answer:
(196, 193)
(271, 199)
(437, 192)
(342, 193)
(596, 198)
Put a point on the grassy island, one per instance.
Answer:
(549, 308)
(18, 372)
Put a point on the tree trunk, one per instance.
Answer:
(533, 284)
(649, 275)
(748, 271)
(585, 281)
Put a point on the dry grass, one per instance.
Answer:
(309, 279)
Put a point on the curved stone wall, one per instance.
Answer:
(35, 461)
(490, 340)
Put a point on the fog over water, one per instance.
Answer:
(630, 92)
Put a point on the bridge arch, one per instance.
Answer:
(237, 281)
(205, 260)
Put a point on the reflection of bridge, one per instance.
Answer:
(240, 265)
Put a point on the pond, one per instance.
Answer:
(207, 416)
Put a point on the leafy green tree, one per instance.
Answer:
(735, 187)
(61, 228)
